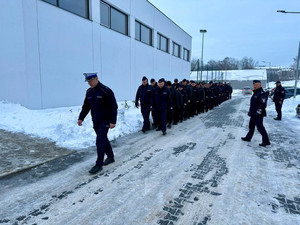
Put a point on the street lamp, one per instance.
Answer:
(203, 32)
(298, 58)
(283, 11)
(267, 72)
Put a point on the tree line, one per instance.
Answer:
(228, 63)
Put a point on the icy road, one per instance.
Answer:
(199, 173)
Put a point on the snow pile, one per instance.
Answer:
(60, 124)
(288, 109)
(289, 83)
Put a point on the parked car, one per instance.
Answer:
(289, 92)
(247, 91)
(298, 111)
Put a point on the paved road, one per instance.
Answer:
(199, 173)
(20, 152)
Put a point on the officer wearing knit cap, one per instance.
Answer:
(161, 103)
(143, 95)
(279, 94)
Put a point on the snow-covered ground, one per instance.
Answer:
(199, 173)
(60, 124)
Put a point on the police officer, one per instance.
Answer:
(188, 91)
(143, 95)
(161, 103)
(182, 103)
(100, 100)
(257, 112)
(278, 98)
(153, 85)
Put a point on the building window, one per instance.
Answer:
(143, 33)
(79, 7)
(186, 54)
(113, 18)
(176, 49)
(162, 43)
(105, 14)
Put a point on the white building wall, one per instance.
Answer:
(13, 86)
(47, 49)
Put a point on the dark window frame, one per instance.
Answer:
(109, 18)
(87, 8)
(140, 31)
(159, 36)
(188, 54)
(179, 50)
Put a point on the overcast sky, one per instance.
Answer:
(238, 28)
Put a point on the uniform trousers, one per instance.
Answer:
(258, 122)
(278, 107)
(146, 114)
(161, 116)
(102, 142)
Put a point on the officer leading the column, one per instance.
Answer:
(100, 100)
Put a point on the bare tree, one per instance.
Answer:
(294, 65)
(195, 64)
(248, 63)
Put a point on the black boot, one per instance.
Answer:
(95, 169)
(264, 144)
(245, 139)
(108, 161)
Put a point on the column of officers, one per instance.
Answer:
(171, 103)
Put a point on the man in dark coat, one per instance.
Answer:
(182, 103)
(278, 98)
(100, 100)
(188, 91)
(161, 103)
(143, 95)
(257, 112)
(172, 115)
(153, 85)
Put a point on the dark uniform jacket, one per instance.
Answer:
(279, 94)
(161, 99)
(174, 97)
(195, 94)
(102, 103)
(183, 99)
(258, 103)
(201, 94)
(188, 91)
(144, 95)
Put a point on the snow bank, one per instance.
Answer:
(60, 124)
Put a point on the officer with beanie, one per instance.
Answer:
(143, 95)
(278, 98)
(100, 100)
(161, 103)
(257, 112)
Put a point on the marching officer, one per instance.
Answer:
(161, 103)
(257, 112)
(143, 95)
(100, 100)
(182, 103)
(278, 98)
